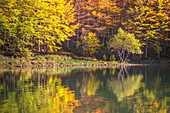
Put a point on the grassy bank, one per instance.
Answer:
(50, 61)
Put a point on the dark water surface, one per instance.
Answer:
(85, 90)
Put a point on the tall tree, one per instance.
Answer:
(96, 16)
(161, 24)
(148, 22)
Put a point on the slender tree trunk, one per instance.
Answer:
(120, 56)
(126, 57)
(67, 43)
(164, 49)
(5, 37)
(39, 49)
(146, 50)
(164, 52)
(46, 49)
(123, 55)
(158, 54)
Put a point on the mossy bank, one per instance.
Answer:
(52, 61)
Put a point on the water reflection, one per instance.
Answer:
(47, 96)
(94, 90)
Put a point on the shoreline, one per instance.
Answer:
(68, 61)
(74, 65)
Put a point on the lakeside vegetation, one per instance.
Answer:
(50, 61)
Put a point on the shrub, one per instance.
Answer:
(26, 52)
(49, 57)
(39, 57)
(104, 57)
(112, 58)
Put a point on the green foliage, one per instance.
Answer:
(35, 23)
(1, 42)
(104, 57)
(90, 43)
(49, 57)
(44, 60)
(112, 58)
(39, 57)
(152, 21)
(26, 52)
(125, 88)
(125, 44)
(43, 25)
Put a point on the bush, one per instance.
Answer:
(39, 57)
(26, 52)
(104, 57)
(49, 57)
(112, 58)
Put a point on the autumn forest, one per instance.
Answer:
(84, 56)
(87, 27)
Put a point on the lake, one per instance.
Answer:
(141, 89)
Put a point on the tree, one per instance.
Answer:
(90, 43)
(125, 88)
(35, 25)
(149, 21)
(125, 44)
(141, 22)
(55, 18)
(11, 26)
(161, 24)
(95, 16)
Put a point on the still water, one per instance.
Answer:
(85, 90)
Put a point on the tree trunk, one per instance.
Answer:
(67, 43)
(158, 54)
(146, 50)
(164, 49)
(39, 48)
(120, 56)
(127, 55)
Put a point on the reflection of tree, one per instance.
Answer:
(27, 97)
(125, 88)
(60, 99)
(41, 91)
(150, 98)
(122, 72)
(112, 70)
(89, 100)
(91, 85)
(148, 102)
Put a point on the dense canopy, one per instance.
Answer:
(28, 26)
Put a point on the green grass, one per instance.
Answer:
(75, 61)
(46, 60)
